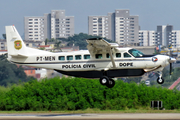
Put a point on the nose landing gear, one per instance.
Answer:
(160, 80)
(107, 81)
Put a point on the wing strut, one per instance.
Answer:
(99, 45)
(112, 59)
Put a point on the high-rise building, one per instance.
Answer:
(152, 38)
(164, 36)
(101, 26)
(35, 28)
(147, 38)
(126, 28)
(51, 25)
(175, 38)
(61, 25)
(119, 26)
(143, 38)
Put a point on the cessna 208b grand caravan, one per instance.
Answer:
(102, 59)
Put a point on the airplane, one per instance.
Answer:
(102, 60)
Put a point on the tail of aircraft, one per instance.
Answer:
(15, 44)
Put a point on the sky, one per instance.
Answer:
(151, 12)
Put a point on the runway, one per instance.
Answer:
(119, 116)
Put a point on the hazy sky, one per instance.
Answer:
(151, 12)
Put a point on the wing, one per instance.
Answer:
(96, 45)
(99, 45)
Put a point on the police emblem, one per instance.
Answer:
(17, 44)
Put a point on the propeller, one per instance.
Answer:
(170, 71)
(171, 60)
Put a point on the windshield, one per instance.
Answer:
(136, 53)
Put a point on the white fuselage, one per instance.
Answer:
(52, 61)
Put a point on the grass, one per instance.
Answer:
(92, 111)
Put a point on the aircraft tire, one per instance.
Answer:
(111, 83)
(160, 80)
(104, 80)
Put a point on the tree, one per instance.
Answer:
(57, 43)
(4, 36)
(46, 41)
(11, 73)
(133, 79)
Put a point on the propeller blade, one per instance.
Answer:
(170, 71)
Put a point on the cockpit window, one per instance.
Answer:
(126, 55)
(136, 53)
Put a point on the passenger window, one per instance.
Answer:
(126, 55)
(118, 55)
(70, 57)
(86, 56)
(107, 55)
(98, 56)
(77, 57)
(61, 58)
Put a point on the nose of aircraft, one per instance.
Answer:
(171, 60)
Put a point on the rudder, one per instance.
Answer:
(15, 44)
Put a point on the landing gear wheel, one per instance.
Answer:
(111, 83)
(160, 80)
(104, 80)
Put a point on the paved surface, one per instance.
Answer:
(174, 84)
(121, 116)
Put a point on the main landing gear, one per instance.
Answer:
(160, 80)
(107, 81)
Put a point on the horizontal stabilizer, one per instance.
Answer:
(19, 55)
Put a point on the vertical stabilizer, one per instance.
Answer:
(15, 44)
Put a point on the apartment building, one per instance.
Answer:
(119, 26)
(126, 28)
(175, 38)
(147, 38)
(164, 35)
(101, 26)
(143, 38)
(51, 25)
(61, 25)
(167, 36)
(152, 38)
(36, 27)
